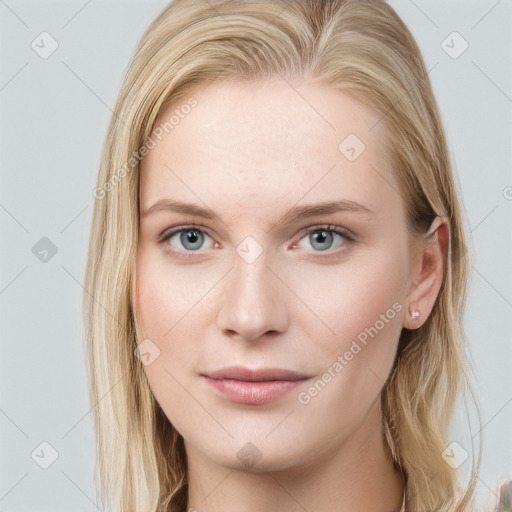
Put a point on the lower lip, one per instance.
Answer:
(253, 393)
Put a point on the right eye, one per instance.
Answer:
(190, 238)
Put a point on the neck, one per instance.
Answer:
(356, 476)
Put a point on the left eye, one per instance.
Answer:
(322, 238)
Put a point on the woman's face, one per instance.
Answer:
(250, 287)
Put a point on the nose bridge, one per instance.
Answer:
(251, 302)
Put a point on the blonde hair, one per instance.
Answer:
(363, 49)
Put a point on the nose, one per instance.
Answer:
(252, 301)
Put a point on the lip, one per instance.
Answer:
(254, 387)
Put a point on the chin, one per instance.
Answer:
(259, 455)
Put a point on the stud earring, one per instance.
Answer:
(415, 314)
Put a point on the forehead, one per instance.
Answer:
(248, 146)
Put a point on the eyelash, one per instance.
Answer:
(346, 234)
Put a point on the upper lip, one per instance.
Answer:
(255, 375)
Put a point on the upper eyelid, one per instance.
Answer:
(340, 230)
(181, 227)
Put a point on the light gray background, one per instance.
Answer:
(54, 114)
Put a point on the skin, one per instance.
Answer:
(249, 152)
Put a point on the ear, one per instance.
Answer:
(427, 270)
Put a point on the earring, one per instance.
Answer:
(415, 314)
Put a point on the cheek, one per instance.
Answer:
(172, 311)
(358, 301)
(362, 308)
(160, 305)
(167, 293)
(164, 312)
(154, 294)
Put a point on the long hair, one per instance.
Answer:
(363, 49)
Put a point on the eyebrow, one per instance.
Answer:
(294, 214)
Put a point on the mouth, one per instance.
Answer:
(254, 387)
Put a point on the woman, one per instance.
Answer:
(236, 361)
